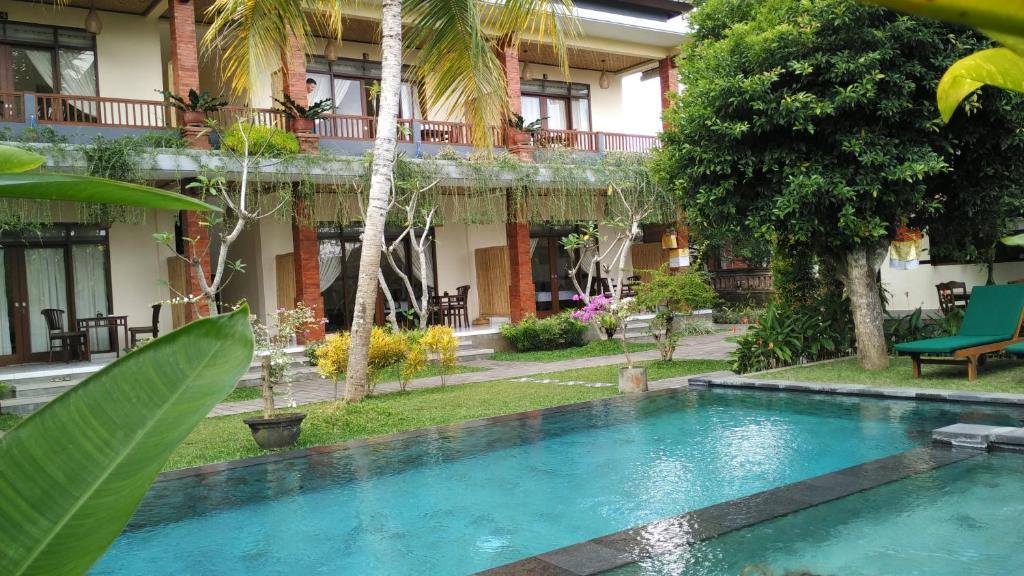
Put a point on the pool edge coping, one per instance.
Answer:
(629, 546)
(932, 394)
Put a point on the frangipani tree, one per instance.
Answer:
(455, 42)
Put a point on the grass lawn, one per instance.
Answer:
(656, 370)
(244, 393)
(227, 438)
(998, 375)
(8, 421)
(588, 350)
(390, 374)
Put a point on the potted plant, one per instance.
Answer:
(521, 133)
(301, 118)
(195, 108)
(606, 312)
(272, 431)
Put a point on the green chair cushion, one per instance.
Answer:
(946, 344)
(1016, 348)
(993, 311)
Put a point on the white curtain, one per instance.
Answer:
(531, 109)
(47, 288)
(78, 78)
(5, 319)
(42, 61)
(533, 245)
(430, 265)
(330, 263)
(405, 101)
(581, 114)
(89, 264)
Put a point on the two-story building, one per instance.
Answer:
(94, 67)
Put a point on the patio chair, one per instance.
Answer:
(952, 295)
(63, 340)
(991, 323)
(153, 328)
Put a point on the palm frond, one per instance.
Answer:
(539, 20)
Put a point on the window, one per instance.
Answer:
(560, 105)
(47, 59)
(347, 83)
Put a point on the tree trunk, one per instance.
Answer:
(356, 379)
(866, 304)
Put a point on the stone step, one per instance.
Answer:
(48, 388)
(25, 406)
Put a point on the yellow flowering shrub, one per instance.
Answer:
(386, 349)
(442, 341)
(414, 363)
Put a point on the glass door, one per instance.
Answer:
(13, 313)
(550, 263)
(47, 287)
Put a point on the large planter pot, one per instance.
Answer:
(632, 380)
(193, 118)
(280, 431)
(301, 125)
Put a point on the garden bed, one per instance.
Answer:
(588, 350)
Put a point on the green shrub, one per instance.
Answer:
(311, 348)
(737, 314)
(551, 333)
(263, 140)
(787, 335)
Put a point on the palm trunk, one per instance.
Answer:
(356, 379)
(866, 305)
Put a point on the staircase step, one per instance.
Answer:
(50, 388)
(25, 405)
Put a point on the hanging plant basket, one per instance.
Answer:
(905, 249)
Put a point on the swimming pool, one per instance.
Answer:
(963, 518)
(462, 499)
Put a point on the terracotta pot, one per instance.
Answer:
(279, 431)
(632, 380)
(301, 125)
(518, 137)
(193, 118)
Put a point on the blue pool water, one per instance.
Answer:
(468, 499)
(962, 519)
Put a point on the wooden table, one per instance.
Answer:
(107, 322)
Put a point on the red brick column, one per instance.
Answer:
(293, 62)
(185, 61)
(522, 297)
(509, 56)
(669, 76)
(306, 255)
(197, 245)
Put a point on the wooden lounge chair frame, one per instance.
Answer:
(971, 356)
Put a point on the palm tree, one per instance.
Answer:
(457, 61)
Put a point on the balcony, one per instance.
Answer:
(81, 118)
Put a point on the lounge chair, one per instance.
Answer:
(991, 323)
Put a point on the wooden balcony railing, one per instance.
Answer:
(96, 111)
(585, 141)
(228, 115)
(12, 107)
(631, 143)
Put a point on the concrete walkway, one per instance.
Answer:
(312, 390)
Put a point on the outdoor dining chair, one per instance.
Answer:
(63, 340)
(153, 328)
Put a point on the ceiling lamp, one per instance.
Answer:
(604, 81)
(331, 50)
(93, 24)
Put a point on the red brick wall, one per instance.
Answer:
(521, 294)
(509, 57)
(294, 68)
(669, 76)
(307, 272)
(192, 227)
(184, 54)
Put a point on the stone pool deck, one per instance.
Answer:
(948, 395)
(316, 389)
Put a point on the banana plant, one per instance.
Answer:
(17, 181)
(1002, 67)
(72, 474)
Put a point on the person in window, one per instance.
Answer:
(311, 98)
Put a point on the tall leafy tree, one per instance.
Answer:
(815, 122)
(454, 42)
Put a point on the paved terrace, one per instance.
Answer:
(316, 389)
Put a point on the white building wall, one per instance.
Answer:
(138, 269)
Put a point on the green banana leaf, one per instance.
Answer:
(15, 183)
(999, 67)
(1005, 16)
(1017, 240)
(72, 474)
(17, 160)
